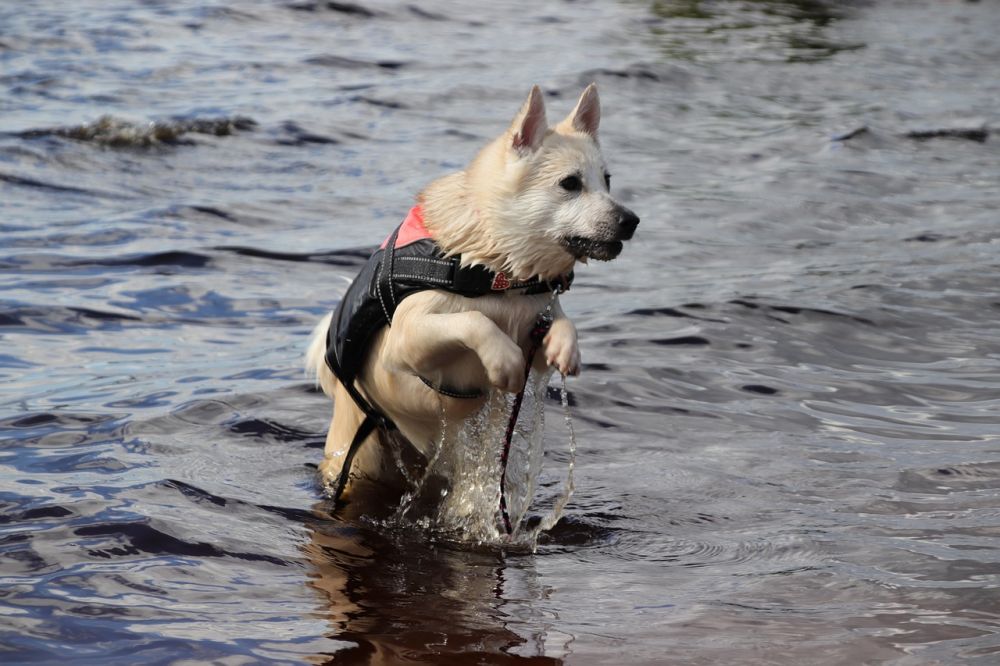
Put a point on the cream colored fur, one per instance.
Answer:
(505, 211)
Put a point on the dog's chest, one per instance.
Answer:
(513, 313)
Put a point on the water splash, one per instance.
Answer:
(417, 486)
(467, 454)
(569, 486)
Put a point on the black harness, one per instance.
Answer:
(391, 274)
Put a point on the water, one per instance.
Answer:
(787, 420)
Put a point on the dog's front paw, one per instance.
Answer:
(504, 363)
(561, 349)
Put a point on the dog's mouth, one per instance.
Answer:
(589, 248)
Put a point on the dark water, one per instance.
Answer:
(789, 416)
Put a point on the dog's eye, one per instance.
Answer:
(571, 183)
(607, 180)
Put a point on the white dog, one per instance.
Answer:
(443, 313)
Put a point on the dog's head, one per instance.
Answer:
(546, 191)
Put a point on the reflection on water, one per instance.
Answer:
(787, 418)
(763, 30)
(401, 600)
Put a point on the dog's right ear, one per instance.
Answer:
(529, 126)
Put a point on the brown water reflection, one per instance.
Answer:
(405, 601)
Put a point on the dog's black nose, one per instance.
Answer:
(627, 221)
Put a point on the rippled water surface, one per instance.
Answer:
(789, 413)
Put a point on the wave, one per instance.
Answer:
(119, 133)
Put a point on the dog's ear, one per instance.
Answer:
(529, 126)
(587, 114)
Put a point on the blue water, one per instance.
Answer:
(789, 413)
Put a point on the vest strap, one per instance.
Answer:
(366, 428)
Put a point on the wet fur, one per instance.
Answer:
(506, 211)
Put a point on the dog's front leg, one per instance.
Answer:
(560, 344)
(427, 344)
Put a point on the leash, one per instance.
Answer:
(538, 333)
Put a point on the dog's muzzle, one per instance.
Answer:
(624, 227)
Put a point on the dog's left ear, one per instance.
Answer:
(587, 114)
